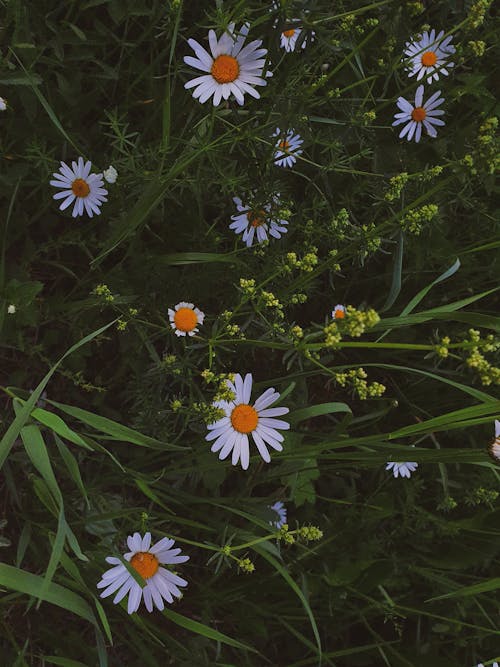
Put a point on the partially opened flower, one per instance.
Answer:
(290, 37)
(161, 584)
(280, 511)
(185, 318)
(495, 445)
(78, 185)
(242, 419)
(231, 67)
(338, 313)
(428, 55)
(258, 222)
(418, 115)
(401, 469)
(110, 174)
(287, 148)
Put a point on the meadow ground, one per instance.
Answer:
(249, 352)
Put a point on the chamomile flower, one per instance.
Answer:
(110, 174)
(495, 445)
(78, 185)
(280, 511)
(418, 115)
(242, 419)
(146, 560)
(258, 222)
(338, 313)
(428, 55)
(401, 469)
(286, 148)
(3, 104)
(185, 318)
(231, 67)
(290, 37)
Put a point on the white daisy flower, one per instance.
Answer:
(280, 510)
(3, 104)
(495, 664)
(258, 221)
(80, 186)
(110, 174)
(422, 114)
(11, 309)
(287, 148)
(338, 313)
(184, 319)
(428, 55)
(161, 584)
(231, 67)
(402, 469)
(289, 37)
(241, 419)
(494, 448)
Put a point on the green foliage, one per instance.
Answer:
(104, 409)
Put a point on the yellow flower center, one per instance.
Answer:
(256, 218)
(145, 564)
(339, 314)
(244, 418)
(80, 187)
(284, 145)
(185, 319)
(429, 58)
(225, 69)
(418, 114)
(289, 33)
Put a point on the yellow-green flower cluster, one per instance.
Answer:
(488, 374)
(442, 348)
(356, 378)
(306, 264)
(477, 13)
(175, 405)
(356, 321)
(208, 412)
(285, 535)
(247, 286)
(296, 333)
(246, 565)
(431, 174)
(481, 496)
(104, 292)
(223, 392)
(310, 533)
(416, 218)
(332, 335)
(477, 47)
(340, 223)
(368, 117)
(298, 297)
(415, 8)
(396, 185)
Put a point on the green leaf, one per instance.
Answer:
(204, 630)
(286, 576)
(475, 589)
(114, 429)
(317, 411)
(56, 424)
(396, 275)
(13, 431)
(30, 584)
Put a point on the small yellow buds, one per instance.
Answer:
(310, 533)
(246, 565)
(104, 292)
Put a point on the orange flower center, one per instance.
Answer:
(284, 145)
(244, 418)
(429, 58)
(145, 564)
(185, 319)
(256, 218)
(80, 187)
(289, 33)
(339, 314)
(225, 69)
(418, 114)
